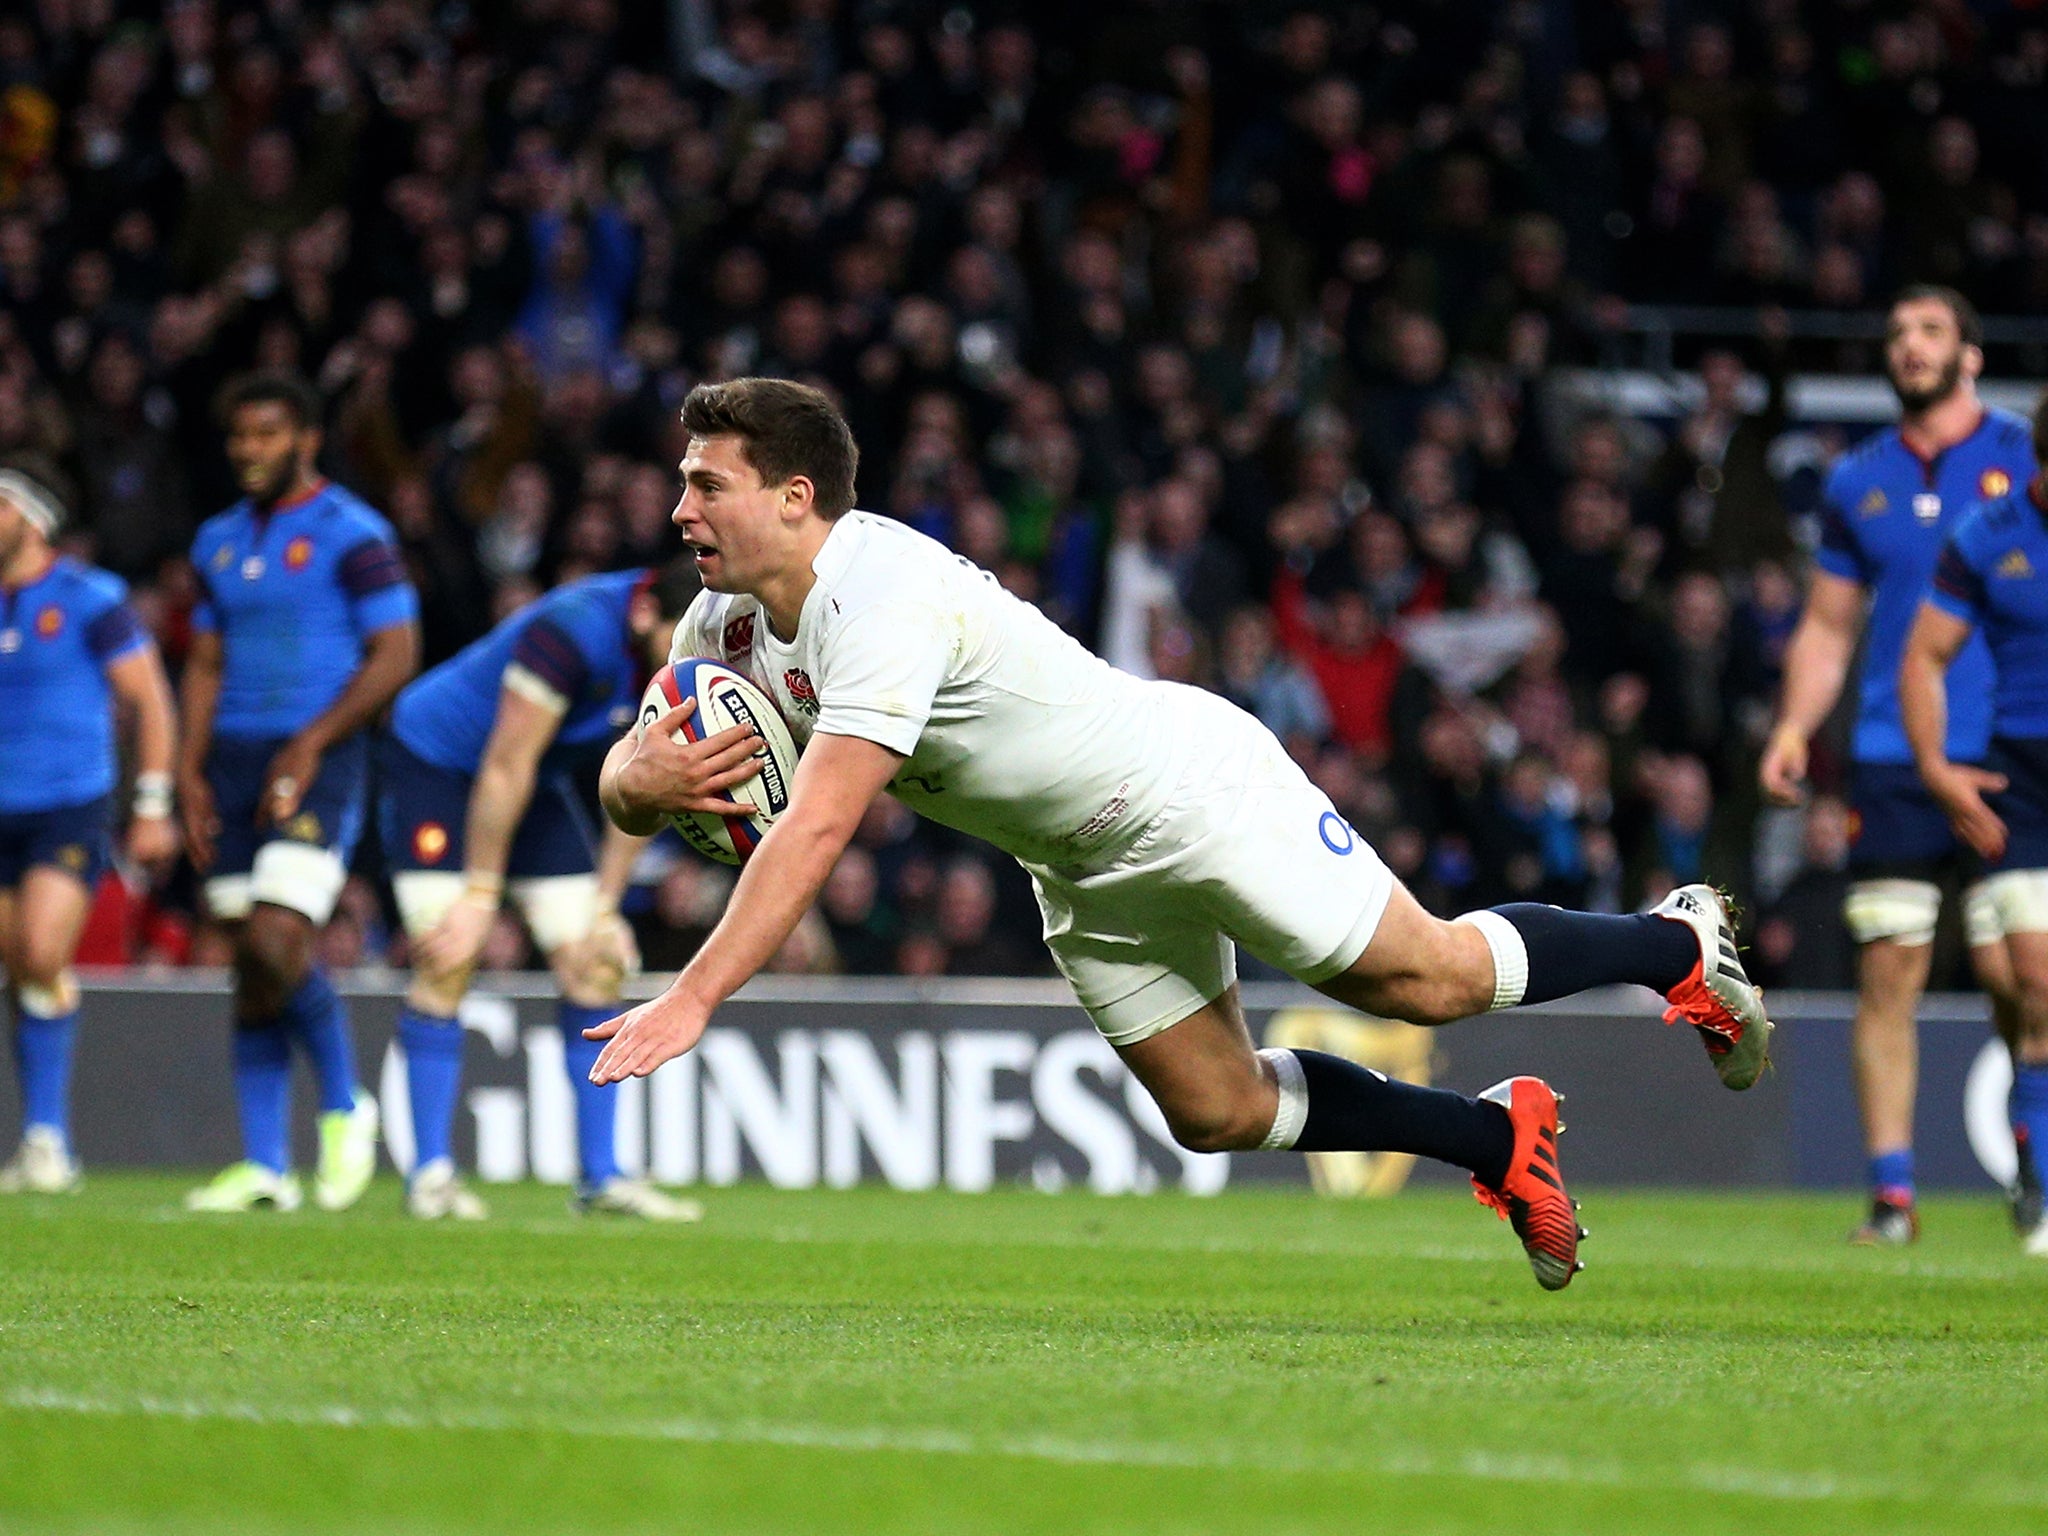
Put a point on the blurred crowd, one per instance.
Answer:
(1230, 334)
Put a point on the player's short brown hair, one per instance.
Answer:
(1969, 324)
(785, 429)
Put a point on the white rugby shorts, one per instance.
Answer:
(1246, 849)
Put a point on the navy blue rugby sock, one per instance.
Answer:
(1328, 1104)
(1551, 953)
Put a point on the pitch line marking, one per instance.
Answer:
(1784, 1486)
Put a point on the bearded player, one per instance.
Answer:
(71, 653)
(306, 628)
(1889, 504)
(1160, 824)
(1992, 580)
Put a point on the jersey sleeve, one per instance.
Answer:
(205, 616)
(1958, 588)
(881, 673)
(550, 664)
(1839, 553)
(115, 632)
(380, 594)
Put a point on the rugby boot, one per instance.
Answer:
(243, 1187)
(636, 1197)
(2035, 1243)
(1531, 1198)
(1718, 999)
(436, 1192)
(348, 1154)
(1890, 1224)
(42, 1166)
(2024, 1197)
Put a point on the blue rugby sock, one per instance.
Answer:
(263, 1092)
(1353, 1109)
(316, 1017)
(43, 1050)
(1572, 951)
(433, 1077)
(1891, 1176)
(596, 1108)
(2029, 1107)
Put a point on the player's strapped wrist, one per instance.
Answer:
(152, 795)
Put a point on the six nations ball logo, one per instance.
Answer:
(741, 713)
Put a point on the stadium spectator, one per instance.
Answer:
(1181, 324)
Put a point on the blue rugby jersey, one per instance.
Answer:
(58, 635)
(1994, 575)
(293, 594)
(1884, 515)
(575, 640)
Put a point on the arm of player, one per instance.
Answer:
(390, 657)
(836, 779)
(198, 693)
(649, 776)
(1923, 705)
(528, 718)
(1816, 666)
(138, 681)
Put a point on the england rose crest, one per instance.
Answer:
(801, 692)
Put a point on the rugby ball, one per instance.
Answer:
(725, 699)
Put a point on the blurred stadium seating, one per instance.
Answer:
(1415, 374)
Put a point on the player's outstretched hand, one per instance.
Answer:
(1782, 772)
(1961, 790)
(670, 776)
(200, 819)
(645, 1037)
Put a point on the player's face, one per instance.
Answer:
(266, 447)
(737, 529)
(1924, 354)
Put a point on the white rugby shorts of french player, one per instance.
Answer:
(1159, 822)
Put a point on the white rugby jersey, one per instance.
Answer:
(1011, 729)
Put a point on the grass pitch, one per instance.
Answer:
(868, 1362)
